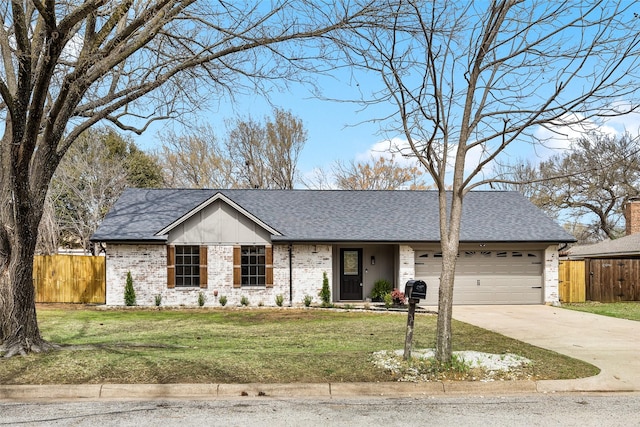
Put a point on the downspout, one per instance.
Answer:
(290, 275)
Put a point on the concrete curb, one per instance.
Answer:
(299, 390)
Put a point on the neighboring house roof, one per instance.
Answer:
(623, 247)
(334, 215)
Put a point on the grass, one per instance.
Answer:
(243, 345)
(622, 310)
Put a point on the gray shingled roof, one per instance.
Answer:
(333, 215)
(624, 246)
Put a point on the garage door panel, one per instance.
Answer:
(490, 277)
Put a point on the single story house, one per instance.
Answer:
(259, 244)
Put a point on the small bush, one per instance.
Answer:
(244, 301)
(398, 297)
(325, 292)
(158, 300)
(223, 300)
(380, 289)
(201, 299)
(308, 299)
(388, 300)
(129, 292)
(279, 300)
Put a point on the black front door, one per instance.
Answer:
(351, 274)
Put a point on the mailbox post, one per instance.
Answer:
(414, 290)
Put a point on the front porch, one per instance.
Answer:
(356, 268)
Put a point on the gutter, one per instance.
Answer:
(290, 275)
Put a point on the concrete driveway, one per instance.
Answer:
(613, 345)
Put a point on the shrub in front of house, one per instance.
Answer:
(279, 300)
(308, 299)
(223, 300)
(388, 300)
(380, 289)
(129, 292)
(398, 297)
(325, 292)
(201, 299)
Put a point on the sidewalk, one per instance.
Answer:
(226, 391)
(608, 343)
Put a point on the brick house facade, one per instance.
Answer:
(261, 244)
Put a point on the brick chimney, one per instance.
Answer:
(632, 215)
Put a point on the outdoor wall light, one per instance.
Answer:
(373, 260)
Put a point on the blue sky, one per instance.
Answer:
(336, 130)
(344, 131)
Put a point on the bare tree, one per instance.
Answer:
(319, 179)
(286, 137)
(377, 174)
(67, 65)
(246, 146)
(48, 230)
(92, 175)
(470, 79)
(265, 155)
(195, 160)
(588, 184)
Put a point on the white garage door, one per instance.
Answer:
(486, 277)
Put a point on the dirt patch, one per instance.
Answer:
(65, 306)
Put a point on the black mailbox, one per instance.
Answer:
(415, 289)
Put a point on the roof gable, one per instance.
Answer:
(209, 201)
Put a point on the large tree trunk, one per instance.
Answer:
(450, 243)
(19, 219)
(445, 302)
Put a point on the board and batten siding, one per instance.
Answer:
(219, 224)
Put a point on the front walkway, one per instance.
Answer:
(613, 345)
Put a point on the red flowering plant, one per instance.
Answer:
(398, 297)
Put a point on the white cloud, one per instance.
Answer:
(551, 140)
(396, 148)
(561, 136)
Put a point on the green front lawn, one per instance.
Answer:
(622, 310)
(244, 345)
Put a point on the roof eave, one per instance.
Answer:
(154, 241)
(605, 255)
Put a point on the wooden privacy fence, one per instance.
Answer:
(613, 280)
(571, 281)
(69, 279)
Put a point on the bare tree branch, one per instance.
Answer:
(468, 80)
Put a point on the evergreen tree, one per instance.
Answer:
(129, 292)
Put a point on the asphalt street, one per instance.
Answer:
(575, 409)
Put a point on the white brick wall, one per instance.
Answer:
(147, 264)
(550, 275)
(309, 262)
(407, 270)
(148, 267)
